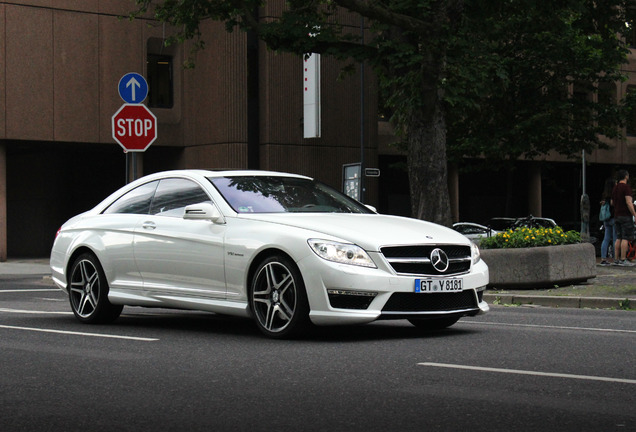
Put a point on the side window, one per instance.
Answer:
(173, 195)
(137, 201)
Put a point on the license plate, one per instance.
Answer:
(438, 285)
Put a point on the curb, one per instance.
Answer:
(558, 301)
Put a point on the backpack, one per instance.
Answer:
(605, 212)
(631, 250)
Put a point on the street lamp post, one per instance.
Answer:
(585, 206)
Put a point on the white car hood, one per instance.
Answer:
(369, 231)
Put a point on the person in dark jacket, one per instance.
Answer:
(609, 237)
(623, 217)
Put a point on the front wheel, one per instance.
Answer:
(88, 292)
(434, 324)
(278, 299)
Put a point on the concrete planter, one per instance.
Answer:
(539, 267)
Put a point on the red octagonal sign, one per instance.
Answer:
(134, 127)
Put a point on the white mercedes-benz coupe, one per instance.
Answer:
(283, 249)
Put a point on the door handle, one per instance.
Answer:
(149, 225)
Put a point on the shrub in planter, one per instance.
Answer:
(537, 257)
(530, 237)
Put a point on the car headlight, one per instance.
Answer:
(345, 253)
(474, 252)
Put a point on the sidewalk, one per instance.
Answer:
(25, 267)
(613, 288)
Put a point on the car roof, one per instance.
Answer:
(230, 172)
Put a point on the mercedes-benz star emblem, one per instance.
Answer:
(439, 259)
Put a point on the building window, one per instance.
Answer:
(631, 28)
(630, 129)
(160, 82)
(582, 92)
(607, 93)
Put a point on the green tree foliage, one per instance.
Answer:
(535, 77)
(497, 79)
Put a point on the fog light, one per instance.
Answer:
(348, 299)
(352, 293)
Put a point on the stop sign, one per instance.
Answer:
(134, 127)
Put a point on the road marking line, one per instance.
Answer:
(80, 333)
(525, 372)
(30, 290)
(550, 327)
(34, 312)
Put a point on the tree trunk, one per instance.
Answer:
(424, 120)
(427, 167)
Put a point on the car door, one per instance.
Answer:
(117, 229)
(175, 256)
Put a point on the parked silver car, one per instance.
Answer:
(475, 232)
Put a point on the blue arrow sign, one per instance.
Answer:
(133, 88)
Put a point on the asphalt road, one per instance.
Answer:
(521, 369)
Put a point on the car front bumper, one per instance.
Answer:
(346, 294)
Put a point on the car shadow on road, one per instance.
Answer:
(186, 321)
(379, 331)
(180, 323)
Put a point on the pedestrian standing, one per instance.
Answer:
(623, 221)
(606, 216)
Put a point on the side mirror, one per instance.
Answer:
(203, 211)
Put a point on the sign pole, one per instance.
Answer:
(127, 167)
(362, 185)
(134, 163)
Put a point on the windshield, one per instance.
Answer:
(270, 194)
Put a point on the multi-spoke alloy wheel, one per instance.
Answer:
(88, 292)
(278, 299)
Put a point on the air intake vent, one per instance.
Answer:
(411, 302)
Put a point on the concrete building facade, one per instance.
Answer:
(240, 107)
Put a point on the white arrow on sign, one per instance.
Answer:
(133, 82)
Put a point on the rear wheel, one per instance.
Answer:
(88, 292)
(278, 299)
(434, 324)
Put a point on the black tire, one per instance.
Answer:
(88, 292)
(277, 298)
(434, 324)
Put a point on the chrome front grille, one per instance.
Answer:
(416, 259)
